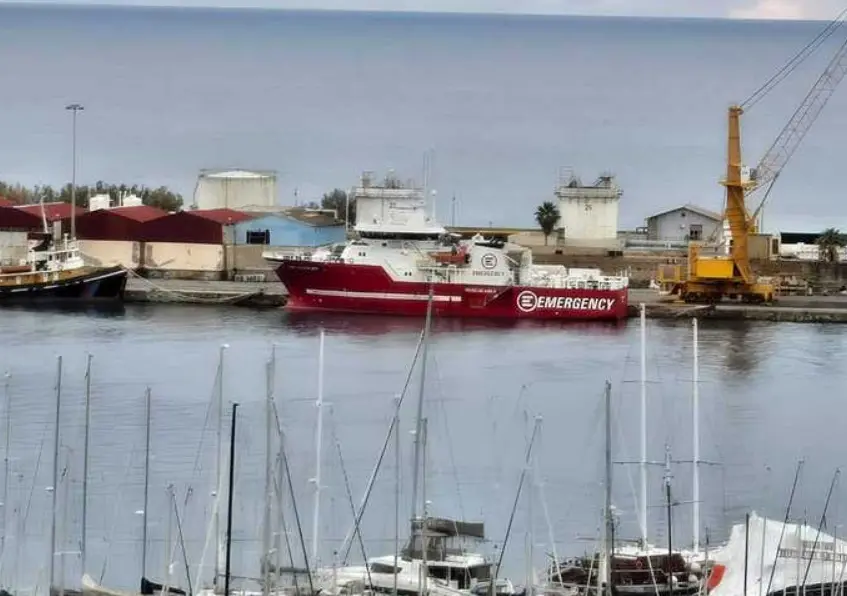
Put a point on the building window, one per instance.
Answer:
(695, 232)
(258, 236)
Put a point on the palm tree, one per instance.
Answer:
(547, 216)
(830, 240)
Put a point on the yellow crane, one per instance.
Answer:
(712, 277)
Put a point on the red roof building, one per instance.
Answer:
(4, 202)
(52, 211)
(120, 223)
(14, 219)
(193, 227)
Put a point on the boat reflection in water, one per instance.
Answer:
(367, 324)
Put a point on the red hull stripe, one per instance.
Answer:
(382, 295)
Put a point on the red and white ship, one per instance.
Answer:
(400, 253)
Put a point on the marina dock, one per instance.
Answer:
(791, 309)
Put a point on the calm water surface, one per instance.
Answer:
(770, 394)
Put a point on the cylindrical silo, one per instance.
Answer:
(235, 189)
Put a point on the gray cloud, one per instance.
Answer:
(791, 9)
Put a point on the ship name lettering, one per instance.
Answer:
(562, 302)
(528, 301)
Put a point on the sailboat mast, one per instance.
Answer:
(318, 451)
(53, 514)
(85, 463)
(7, 398)
(219, 462)
(609, 541)
(147, 399)
(424, 564)
(669, 505)
(396, 493)
(229, 501)
(642, 505)
(695, 406)
(419, 417)
(266, 527)
(529, 591)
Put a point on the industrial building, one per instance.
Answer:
(588, 215)
(289, 228)
(685, 223)
(12, 218)
(52, 211)
(207, 226)
(235, 189)
(119, 223)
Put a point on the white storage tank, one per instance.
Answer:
(101, 201)
(235, 189)
(131, 201)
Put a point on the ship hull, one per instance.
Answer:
(343, 287)
(85, 286)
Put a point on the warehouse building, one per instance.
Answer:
(110, 237)
(685, 223)
(190, 244)
(293, 227)
(207, 226)
(52, 211)
(12, 218)
(119, 223)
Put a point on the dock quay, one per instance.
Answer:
(181, 291)
(788, 309)
(794, 309)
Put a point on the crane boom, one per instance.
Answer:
(792, 134)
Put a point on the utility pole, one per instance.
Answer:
(74, 108)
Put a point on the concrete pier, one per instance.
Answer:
(792, 309)
(267, 294)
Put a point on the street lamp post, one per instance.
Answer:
(74, 108)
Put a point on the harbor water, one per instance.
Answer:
(770, 394)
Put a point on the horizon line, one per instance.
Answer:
(256, 7)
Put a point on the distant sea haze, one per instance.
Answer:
(506, 103)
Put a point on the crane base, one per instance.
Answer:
(707, 292)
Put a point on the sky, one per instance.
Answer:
(736, 9)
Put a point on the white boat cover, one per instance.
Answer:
(804, 557)
(92, 588)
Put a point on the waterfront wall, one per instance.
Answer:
(110, 253)
(192, 261)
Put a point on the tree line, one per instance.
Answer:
(160, 197)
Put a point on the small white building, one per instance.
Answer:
(685, 223)
(235, 189)
(588, 214)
